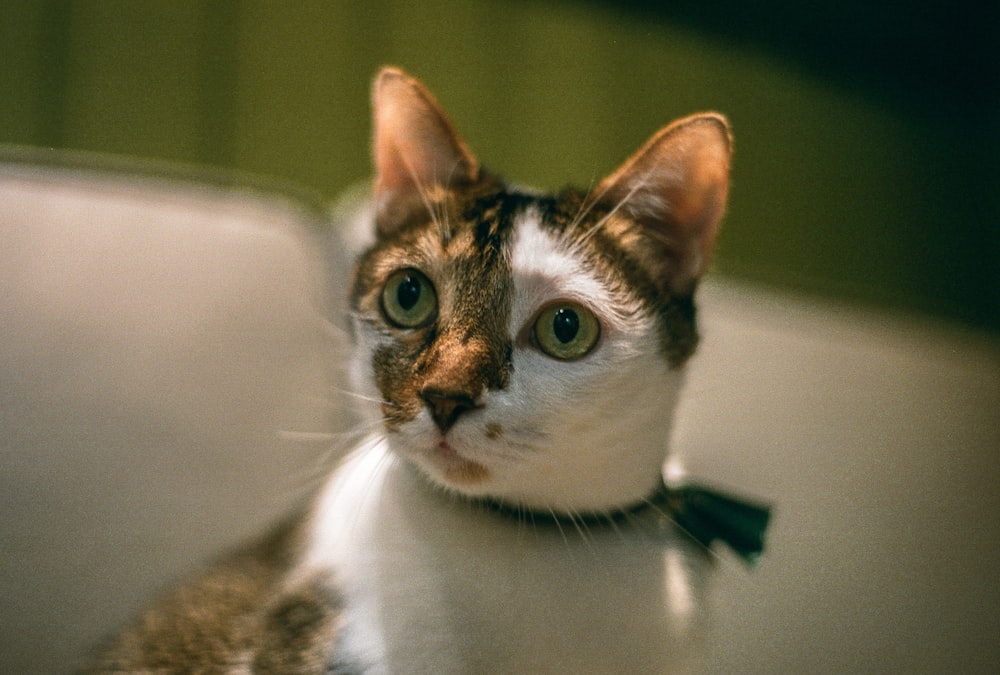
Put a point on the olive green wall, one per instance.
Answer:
(836, 189)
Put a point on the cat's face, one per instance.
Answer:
(528, 348)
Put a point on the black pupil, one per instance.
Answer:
(408, 292)
(565, 325)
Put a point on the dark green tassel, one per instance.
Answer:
(708, 515)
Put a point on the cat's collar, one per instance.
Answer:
(705, 514)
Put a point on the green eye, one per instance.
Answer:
(566, 330)
(408, 299)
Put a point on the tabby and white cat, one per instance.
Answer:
(523, 354)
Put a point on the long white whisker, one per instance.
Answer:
(311, 437)
(662, 238)
(332, 330)
(365, 397)
(613, 524)
(338, 445)
(600, 223)
(307, 436)
(556, 520)
(586, 205)
(425, 198)
(444, 203)
(665, 513)
(581, 529)
(657, 509)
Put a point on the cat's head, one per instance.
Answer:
(525, 347)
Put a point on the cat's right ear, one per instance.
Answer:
(416, 149)
(675, 188)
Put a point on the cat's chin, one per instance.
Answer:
(446, 466)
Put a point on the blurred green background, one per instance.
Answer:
(866, 136)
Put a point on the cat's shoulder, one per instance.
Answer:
(239, 613)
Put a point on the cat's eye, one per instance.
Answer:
(408, 299)
(566, 330)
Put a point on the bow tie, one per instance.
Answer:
(708, 515)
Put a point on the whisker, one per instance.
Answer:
(307, 436)
(657, 509)
(522, 520)
(332, 330)
(307, 479)
(666, 513)
(359, 430)
(662, 238)
(581, 528)
(531, 517)
(586, 206)
(425, 198)
(316, 399)
(438, 211)
(600, 223)
(556, 520)
(444, 203)
(365, 397)
(612, 522)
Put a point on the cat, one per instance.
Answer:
(520, 355)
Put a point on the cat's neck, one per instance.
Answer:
(383, 532)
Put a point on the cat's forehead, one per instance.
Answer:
(546, 261)
(456, 227)
(542, 241)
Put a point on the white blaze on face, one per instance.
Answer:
(599, 423)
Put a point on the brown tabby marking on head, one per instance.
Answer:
(467, 350)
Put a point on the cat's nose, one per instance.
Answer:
(446, 407)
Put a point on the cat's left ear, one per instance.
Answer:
(416, 148)
(675, 187)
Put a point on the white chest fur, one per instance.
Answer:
(434, 584)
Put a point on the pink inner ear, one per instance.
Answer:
(415, 147)
(676, 186)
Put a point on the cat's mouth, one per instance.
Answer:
(451, 468)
